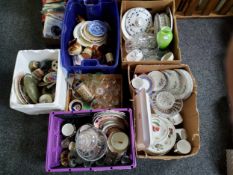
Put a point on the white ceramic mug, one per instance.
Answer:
(181, 134)
(68, 130)
(182, 147)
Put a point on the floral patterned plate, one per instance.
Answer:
(163, 136)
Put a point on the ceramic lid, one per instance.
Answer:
(136, 20)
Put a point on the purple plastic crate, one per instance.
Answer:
(54, 139)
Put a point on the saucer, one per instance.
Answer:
(159, 80)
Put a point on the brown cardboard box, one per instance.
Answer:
(153, 7)
(99, 78)
(189, 111)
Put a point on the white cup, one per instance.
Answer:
(68, 130)
(181, 134)
(182, 147)
(137, 83)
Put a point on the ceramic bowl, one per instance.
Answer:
(163, 136)
(164, 103)
(168, 57)
(135, 55)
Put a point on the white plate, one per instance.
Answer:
(138, 20)
(189, 84)
(165, 129)
(173, 82)
(168, 10)
(126, 36)
(156, 24)
(159, 80)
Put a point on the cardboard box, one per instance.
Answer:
(153, 7)
(21, 66)
(189, 111)
(100, 78)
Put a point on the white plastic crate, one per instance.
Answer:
(21, 66)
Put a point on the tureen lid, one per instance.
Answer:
(136, 20)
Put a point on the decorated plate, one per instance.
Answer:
(163, 136)
(136, 20)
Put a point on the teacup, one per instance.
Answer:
(181, 134)
(182, 147)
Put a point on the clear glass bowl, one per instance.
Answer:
(91, 143)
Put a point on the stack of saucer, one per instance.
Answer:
(90, 33)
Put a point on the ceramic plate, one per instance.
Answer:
(156, 24)
(189, 84)
(80, 39)
(126, 36)
(138, 20)
(175, 106)
(168, 10)
(159, 80)
(164, 128)
(173, 81)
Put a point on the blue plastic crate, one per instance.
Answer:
(106, 10)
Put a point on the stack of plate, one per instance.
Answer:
(178, 82)
(162, 20)
(90, 33)
(163, 136)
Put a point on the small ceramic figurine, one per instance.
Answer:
(74, 47)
